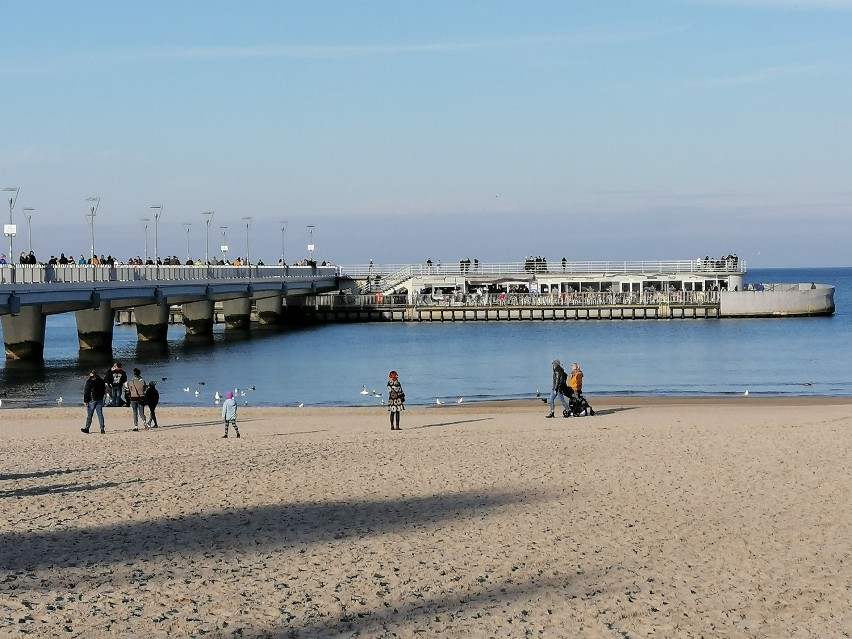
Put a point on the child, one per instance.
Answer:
(229, 414)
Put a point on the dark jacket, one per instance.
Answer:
(559, 379)
(116, 377)
(152, 396)
(95, 389)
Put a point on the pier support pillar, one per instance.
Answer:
(198, 318)
(94, 327)
(237, 313)
(152, 322)
(23, 334)
(270, 310)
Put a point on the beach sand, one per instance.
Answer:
(663, 518)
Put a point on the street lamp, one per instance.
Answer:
(10, 230)
(159, 208)
(283, 228)
(311, 243)
(248, 219)
(224, 247)
(209, 218)
(28, 213)
(91, 218)
(145, 221)
(187, 225)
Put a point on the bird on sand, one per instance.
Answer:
(364, 390)
(439, 401)
(746, 393)
(59, 400)
(217, 396)
(459, 400)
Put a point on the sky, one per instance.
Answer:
(410, 130)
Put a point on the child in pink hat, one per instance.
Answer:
(229, 414)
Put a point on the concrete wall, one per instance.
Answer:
(779, 300)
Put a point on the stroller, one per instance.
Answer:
(578, 405)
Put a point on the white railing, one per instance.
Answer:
(529, 267)
(43, 274)
(591, 298)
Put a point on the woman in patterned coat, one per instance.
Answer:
(396, 399)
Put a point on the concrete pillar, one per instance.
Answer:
(270, 310)
(198, 318)
(23, 334)
(152, 322)
(94, 327)
(237, 313)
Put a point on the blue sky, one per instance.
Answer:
(443, 129)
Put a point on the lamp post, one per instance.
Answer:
(248, 219)
(11, 230)
(208, 218)
(159, 209)
(145, 221)
(187, 225)
(283, 228)
(90, 216)
(311, 242)
(28, 214)
(224, 247)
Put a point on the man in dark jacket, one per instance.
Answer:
(93, 400)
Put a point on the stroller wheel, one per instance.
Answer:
(591, 413)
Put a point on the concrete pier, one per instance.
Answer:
(95, 327)
(237, 314)
(270, 310)
(23, 333)
(152, 322)
(198, 318)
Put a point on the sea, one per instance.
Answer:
(339, 365)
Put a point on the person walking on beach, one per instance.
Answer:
(115, 380)
(152, 398)
(559, 388)
(229, 414)
(396, 399)
(93, 400)
(136, 390)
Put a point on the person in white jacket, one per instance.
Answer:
(229, 414)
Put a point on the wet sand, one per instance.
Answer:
(656, 517)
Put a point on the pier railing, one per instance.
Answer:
(531, 267)
(590, 298)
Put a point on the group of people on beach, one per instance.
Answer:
(116, 389)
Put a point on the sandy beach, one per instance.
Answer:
(663, 518)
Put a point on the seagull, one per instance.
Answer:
(300, 404)
(375, 394)
(201, 383)
(364, 390)
(252, 388)
(746, 393)
(459, 400)
(217, 396)
(538, 393)
(439, 401)
(59, 400)
(197, 393)
(186, 389)
(1, 403)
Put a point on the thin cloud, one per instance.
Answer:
(757, 77)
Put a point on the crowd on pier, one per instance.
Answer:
(29, 258)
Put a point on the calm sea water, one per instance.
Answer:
(329, 365)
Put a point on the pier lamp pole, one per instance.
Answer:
(28, 214)
(90, 216)
(311, 242)
(283, 228)
(187, 225)
(159, 209)
(224, 247)
(248, 219)
(208, 215)
(145, 221)
(11, 230)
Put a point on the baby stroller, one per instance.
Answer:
(578, 405)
